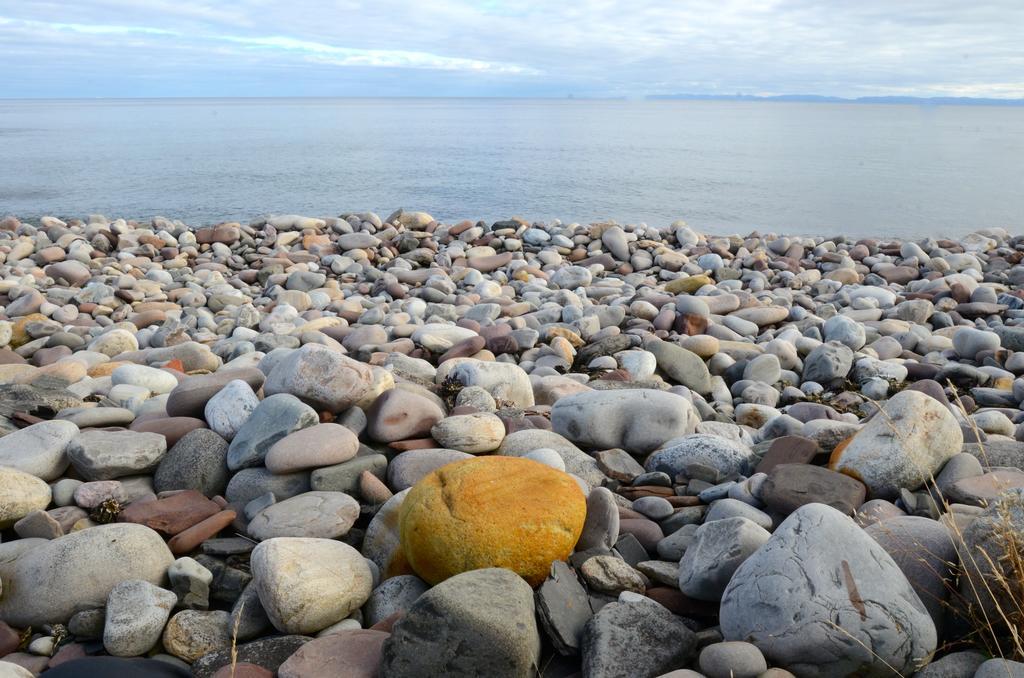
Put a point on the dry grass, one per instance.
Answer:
(234, 639)
(990, 604)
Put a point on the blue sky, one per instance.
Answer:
(112, 48)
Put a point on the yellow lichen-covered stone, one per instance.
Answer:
(688, 285)
(491, 512)
(19, 336)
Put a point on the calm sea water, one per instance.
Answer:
(722, 166)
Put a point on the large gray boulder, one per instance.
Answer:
(478, 624)
(49, 583)
(635, 420)
(822, 599)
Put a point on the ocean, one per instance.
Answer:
(723, 167)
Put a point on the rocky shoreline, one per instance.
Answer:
(358, 446)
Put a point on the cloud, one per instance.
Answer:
(513, 47)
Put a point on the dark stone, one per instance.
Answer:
(788, 450)
(269, 653)
(196, 462)
(790, 486)
(563, 608)
(635, 639)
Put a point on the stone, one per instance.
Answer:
(637, 421)
(639, 638)
(345, 477)
(473, 433)
(682, 366)
(51, 582)
(352, 653)
(307, 584)
(601, 526)
(408, 468)
(962, 664)
(267, 653)
(198, 461)
(491, 512)
(991, 546)
(679, 455)
(716, 552)
(821, 598)
(323, 515)
(732, 659)
(611, 575)
(190, 582)
(153, 380)
(828, 364)
(563, 608)
(230, 408)
(577, 462)
(190, 634)
(394, 596)
(274, 418)
(107, 455)
(790, 486)
(20, 494)
(477, 624)
(39, 449)
(190, 396)
(313, 447)
(924, 550)
(504, 381)
(399, 414)
(136, 613)
(618, 465)
(321, 377)
(904, 445)
(172, 514)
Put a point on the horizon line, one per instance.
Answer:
(741, 98)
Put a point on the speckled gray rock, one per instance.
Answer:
(637, 421)
(478, 624)
(682, 366)
(136, 614)
(725, 457)
(820, 573)
(107, 455)
(641, 638)
(49, 583)
(250, 483)
(732, 659)
(39, 449)
(198, 461)
(954, 665)
(324, 378)
(325, 515)
(273, 419)
(396, 594)
(828, 364)
(985, 555)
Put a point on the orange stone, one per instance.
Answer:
(491, 511)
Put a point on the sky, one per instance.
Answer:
(545, 48)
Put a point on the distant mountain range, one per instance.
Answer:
(813, 98)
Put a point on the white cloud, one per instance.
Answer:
(590, 47)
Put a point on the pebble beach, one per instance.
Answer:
(360, 446)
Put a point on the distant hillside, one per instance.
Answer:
(813, 98)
